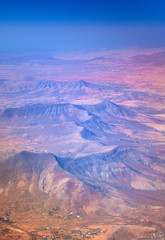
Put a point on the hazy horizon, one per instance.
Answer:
(68, 26)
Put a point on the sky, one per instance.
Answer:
(55, 25)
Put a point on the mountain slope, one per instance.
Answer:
(121, 168)
(30, 175)
(38, 113)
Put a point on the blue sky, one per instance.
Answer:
(54, 25)
(88, 10)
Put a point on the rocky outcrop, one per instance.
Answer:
(122, 168)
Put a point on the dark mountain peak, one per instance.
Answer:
(107, 102)
(49, 84)
(82, 82)
(31, 161)
(131, 156)
(45, 84)
(115, 154)
(24, 155)
(23, 164)
(89, 84)
(85, 83)
(110, 108)
(77, 85)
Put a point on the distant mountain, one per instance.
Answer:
(39, 113)
(32, 86)
(66, 89)
(44, 113)
(76, 85)
(110, 108)
(83, 84)
(48, 84)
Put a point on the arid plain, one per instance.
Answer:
(82, 145)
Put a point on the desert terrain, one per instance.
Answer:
(82, 143)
